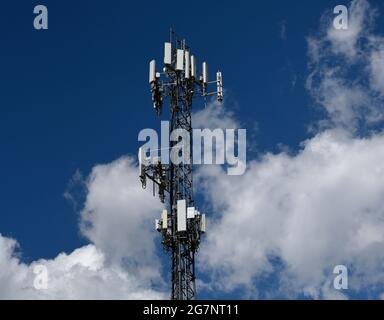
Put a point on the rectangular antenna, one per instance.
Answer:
(141, 155)
(167, 53)
(193, 67)
(143, 160)
(155, 160)
(187, 64)
(190, 212)
(152, 71)
(157, 224)
(205, 73)
(181, 215)
(180, 60)
(164, 217)
(202, 223)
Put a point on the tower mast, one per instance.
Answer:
(181, 224)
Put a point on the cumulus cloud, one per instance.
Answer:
(83, 274)
(213, 116)
(293, 217)
(118, 215)
(231, 147)
(120, 262)
(313, 211)
(346, 76)
(347, 42)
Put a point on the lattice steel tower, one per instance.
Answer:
(181, 224)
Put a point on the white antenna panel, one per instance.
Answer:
(190, 212)
(193, 67)
(187, 65)
(167, 53)
(180, 60)
(155, 160)
(205, 73)
(164, 217)
(203, 223)
(152, 71)
(143, 160)
(157, 224)
(181, 215)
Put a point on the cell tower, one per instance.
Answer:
(181, 224)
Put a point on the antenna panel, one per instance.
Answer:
(143, 160)
(167, 53)
(157, 224)
(152, 71)
(155, 160)
(181, 215)
(180, 60)
(190, 212)
(164, 217)
(203, 223)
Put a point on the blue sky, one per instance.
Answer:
(76, 95)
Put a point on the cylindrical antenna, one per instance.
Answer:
(187, 64)
(193, 67)
(205, 73)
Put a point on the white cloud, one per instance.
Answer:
(376, 65)
(118, 215)
(119, 264)
(215, 115)
(346, 42)
(295, 217)
(83, 274)
(346, 76)
(314, 210)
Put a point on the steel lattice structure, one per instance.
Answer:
(181, 231)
